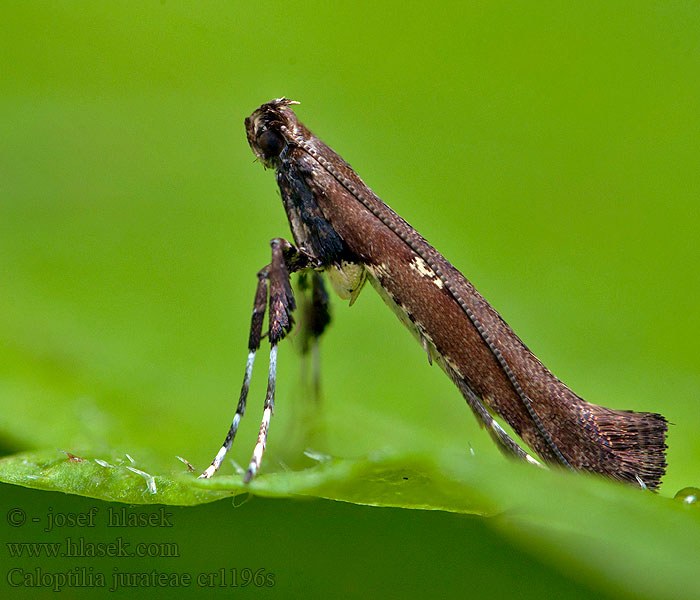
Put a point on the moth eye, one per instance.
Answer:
(271, 143)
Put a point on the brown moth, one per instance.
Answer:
(341, 228)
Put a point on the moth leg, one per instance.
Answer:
(282, 305)
(506, 443)
(424, 343)
(253, 345)
(296, 260)
(316, 317)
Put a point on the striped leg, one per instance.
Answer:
(285, 259)
(281, 306)
(256, 459)
(253, 345)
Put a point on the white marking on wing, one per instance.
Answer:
(418, 264)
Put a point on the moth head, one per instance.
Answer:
(264, 129)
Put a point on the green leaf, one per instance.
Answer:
(621, 538)
(112, 478)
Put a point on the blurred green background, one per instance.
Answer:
(549, 150)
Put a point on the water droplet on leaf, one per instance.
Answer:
(688, 495)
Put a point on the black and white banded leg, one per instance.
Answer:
(285, 260)
(253, 345)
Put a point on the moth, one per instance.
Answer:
(343, 230)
